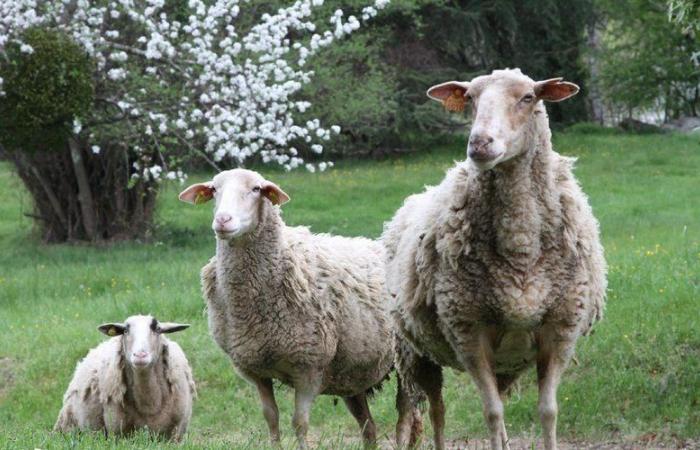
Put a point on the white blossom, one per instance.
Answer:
(238, 106)
(116, 74)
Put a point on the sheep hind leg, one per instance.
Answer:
(358, 407)
(305, 392)
(269, 406)
(409, 427)
(429, 379)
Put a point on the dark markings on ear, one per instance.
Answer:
(112, 329)
(154, 324)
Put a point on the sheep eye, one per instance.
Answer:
(256, 189)
(528, 98)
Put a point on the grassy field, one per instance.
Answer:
(639, 373)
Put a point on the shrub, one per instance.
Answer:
(47, 83)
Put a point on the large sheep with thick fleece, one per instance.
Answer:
(137, 379)
(310, 310)
(500, 266)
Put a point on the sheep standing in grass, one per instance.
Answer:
(499, 267)
(306, 309)
(137, 379)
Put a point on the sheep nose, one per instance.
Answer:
(223, 218)
(478, 141)
(140, 354)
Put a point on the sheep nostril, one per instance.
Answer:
(223, 218)
(479, 140)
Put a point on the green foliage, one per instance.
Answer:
(685, 12)
(647, 61)
(639, 371)
(354, 87)
(44, 91)
(591, 128)
(439, 39)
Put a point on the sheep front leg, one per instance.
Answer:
(269, 408)
(305, 391)
(553, 357)
(358, 407)
(480, 368)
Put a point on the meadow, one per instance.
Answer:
(637, 377)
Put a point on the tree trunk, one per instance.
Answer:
(595, 99)
(87, 205)
(79, 196)
(20, 160)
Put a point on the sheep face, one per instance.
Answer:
(503, 105)
(240, 196)
(140, 338)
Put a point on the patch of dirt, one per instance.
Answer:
(7, 375)
(641, 443)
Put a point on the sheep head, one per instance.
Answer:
(503, 104)
(240, 198)
(141, 338)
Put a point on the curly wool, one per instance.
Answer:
(100, 395)
(511, 248)
(284, 303)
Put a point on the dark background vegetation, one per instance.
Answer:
(635, 60)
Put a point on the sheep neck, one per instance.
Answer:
(145, 388)
(520, 193)
(249, 265)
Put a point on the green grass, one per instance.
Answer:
(639, 372)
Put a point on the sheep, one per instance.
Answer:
(500, 266)
(136, 379)
(309, 310)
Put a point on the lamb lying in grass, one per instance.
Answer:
(309, 310)
(500, 267)
(137, 379)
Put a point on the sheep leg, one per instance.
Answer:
(305, 391)
(429, 379)
(269, 407)
(409, 427)
(358, 407)
(479, 366)
(552, 359)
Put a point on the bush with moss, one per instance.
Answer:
(47, 84)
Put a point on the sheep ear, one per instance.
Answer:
(168, 327)
(112, 329)
(555, 90)
(451, 94)
(198, 193)
(273, 193)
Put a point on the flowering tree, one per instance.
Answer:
(167, 76)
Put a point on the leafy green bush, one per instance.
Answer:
(46, 87)
(592, 128)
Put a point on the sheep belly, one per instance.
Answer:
(515, 352)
